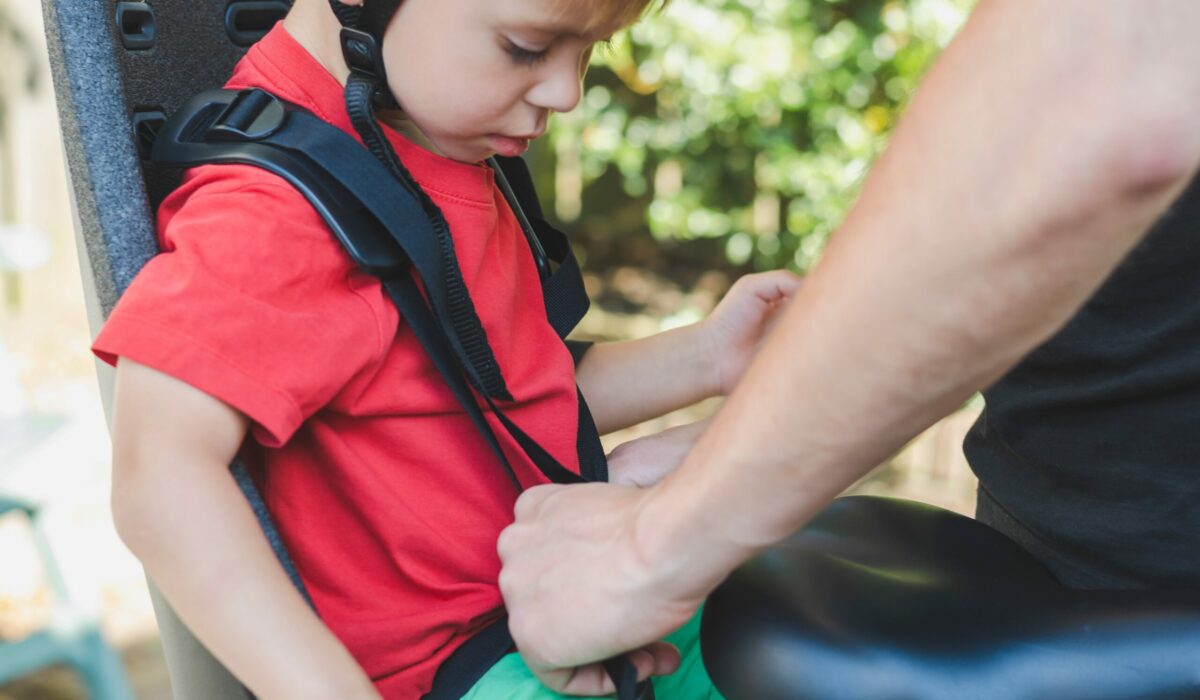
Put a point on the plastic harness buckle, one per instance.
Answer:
(363, 55)
(252, 115)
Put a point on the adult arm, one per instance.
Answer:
(1043, 144)
(178, 509)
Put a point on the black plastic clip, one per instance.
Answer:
(146, 125)
(363, 55)
(253, 115)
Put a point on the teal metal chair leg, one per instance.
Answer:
(100, 667)
(36, 651)
(69, 639)
(83, 649)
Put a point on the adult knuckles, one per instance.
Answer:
(529, 502)
(525, 634)
(506, 543)
(509, 582)
(533, 637)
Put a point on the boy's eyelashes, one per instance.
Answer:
(531, 57)
(523, 56)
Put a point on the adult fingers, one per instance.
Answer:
(524, 510)
(529, 501)
(656, 659)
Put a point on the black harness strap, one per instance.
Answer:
(459, 673)
(347, 14)
(407, 298)
(565, 298)
(562, 289)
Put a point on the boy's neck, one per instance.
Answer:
(406, 128)
(314, 26)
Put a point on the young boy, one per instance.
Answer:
(254, 333)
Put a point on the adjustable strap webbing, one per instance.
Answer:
(565, 298)
(403, 291)
(367, 87)
(375, 16)
(562, 290)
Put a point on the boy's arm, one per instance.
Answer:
(178, 509)
(644, 461)
(629, 382)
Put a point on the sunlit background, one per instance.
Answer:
(716, 138)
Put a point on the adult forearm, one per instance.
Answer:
(1036, 154)
(628, 382)
(200, 543)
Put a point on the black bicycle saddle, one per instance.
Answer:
(882, 598)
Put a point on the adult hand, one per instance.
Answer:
(582, 584)
(736, 328)
(644, 461)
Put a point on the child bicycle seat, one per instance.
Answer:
(884, 598)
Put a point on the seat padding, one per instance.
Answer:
(884, 598)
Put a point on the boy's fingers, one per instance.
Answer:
(775, 285)
(786, 282)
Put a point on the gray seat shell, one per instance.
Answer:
(102, 86)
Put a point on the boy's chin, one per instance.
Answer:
(467, 152)
(508, 146)
(481, 150)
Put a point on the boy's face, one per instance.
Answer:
(481, 77)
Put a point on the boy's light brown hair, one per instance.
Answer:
(617, 12)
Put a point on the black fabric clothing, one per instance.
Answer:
(1088, 451)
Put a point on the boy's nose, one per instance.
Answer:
(560, 88)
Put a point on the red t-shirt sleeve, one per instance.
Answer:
(252, 301)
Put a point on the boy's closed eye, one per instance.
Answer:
(522, 55)
(525, 55)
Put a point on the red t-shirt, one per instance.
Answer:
(385, 494)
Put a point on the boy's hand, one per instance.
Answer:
(646, 460)
(736, 328)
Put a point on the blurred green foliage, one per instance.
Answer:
(736, 132)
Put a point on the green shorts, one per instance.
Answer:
(510, 679)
